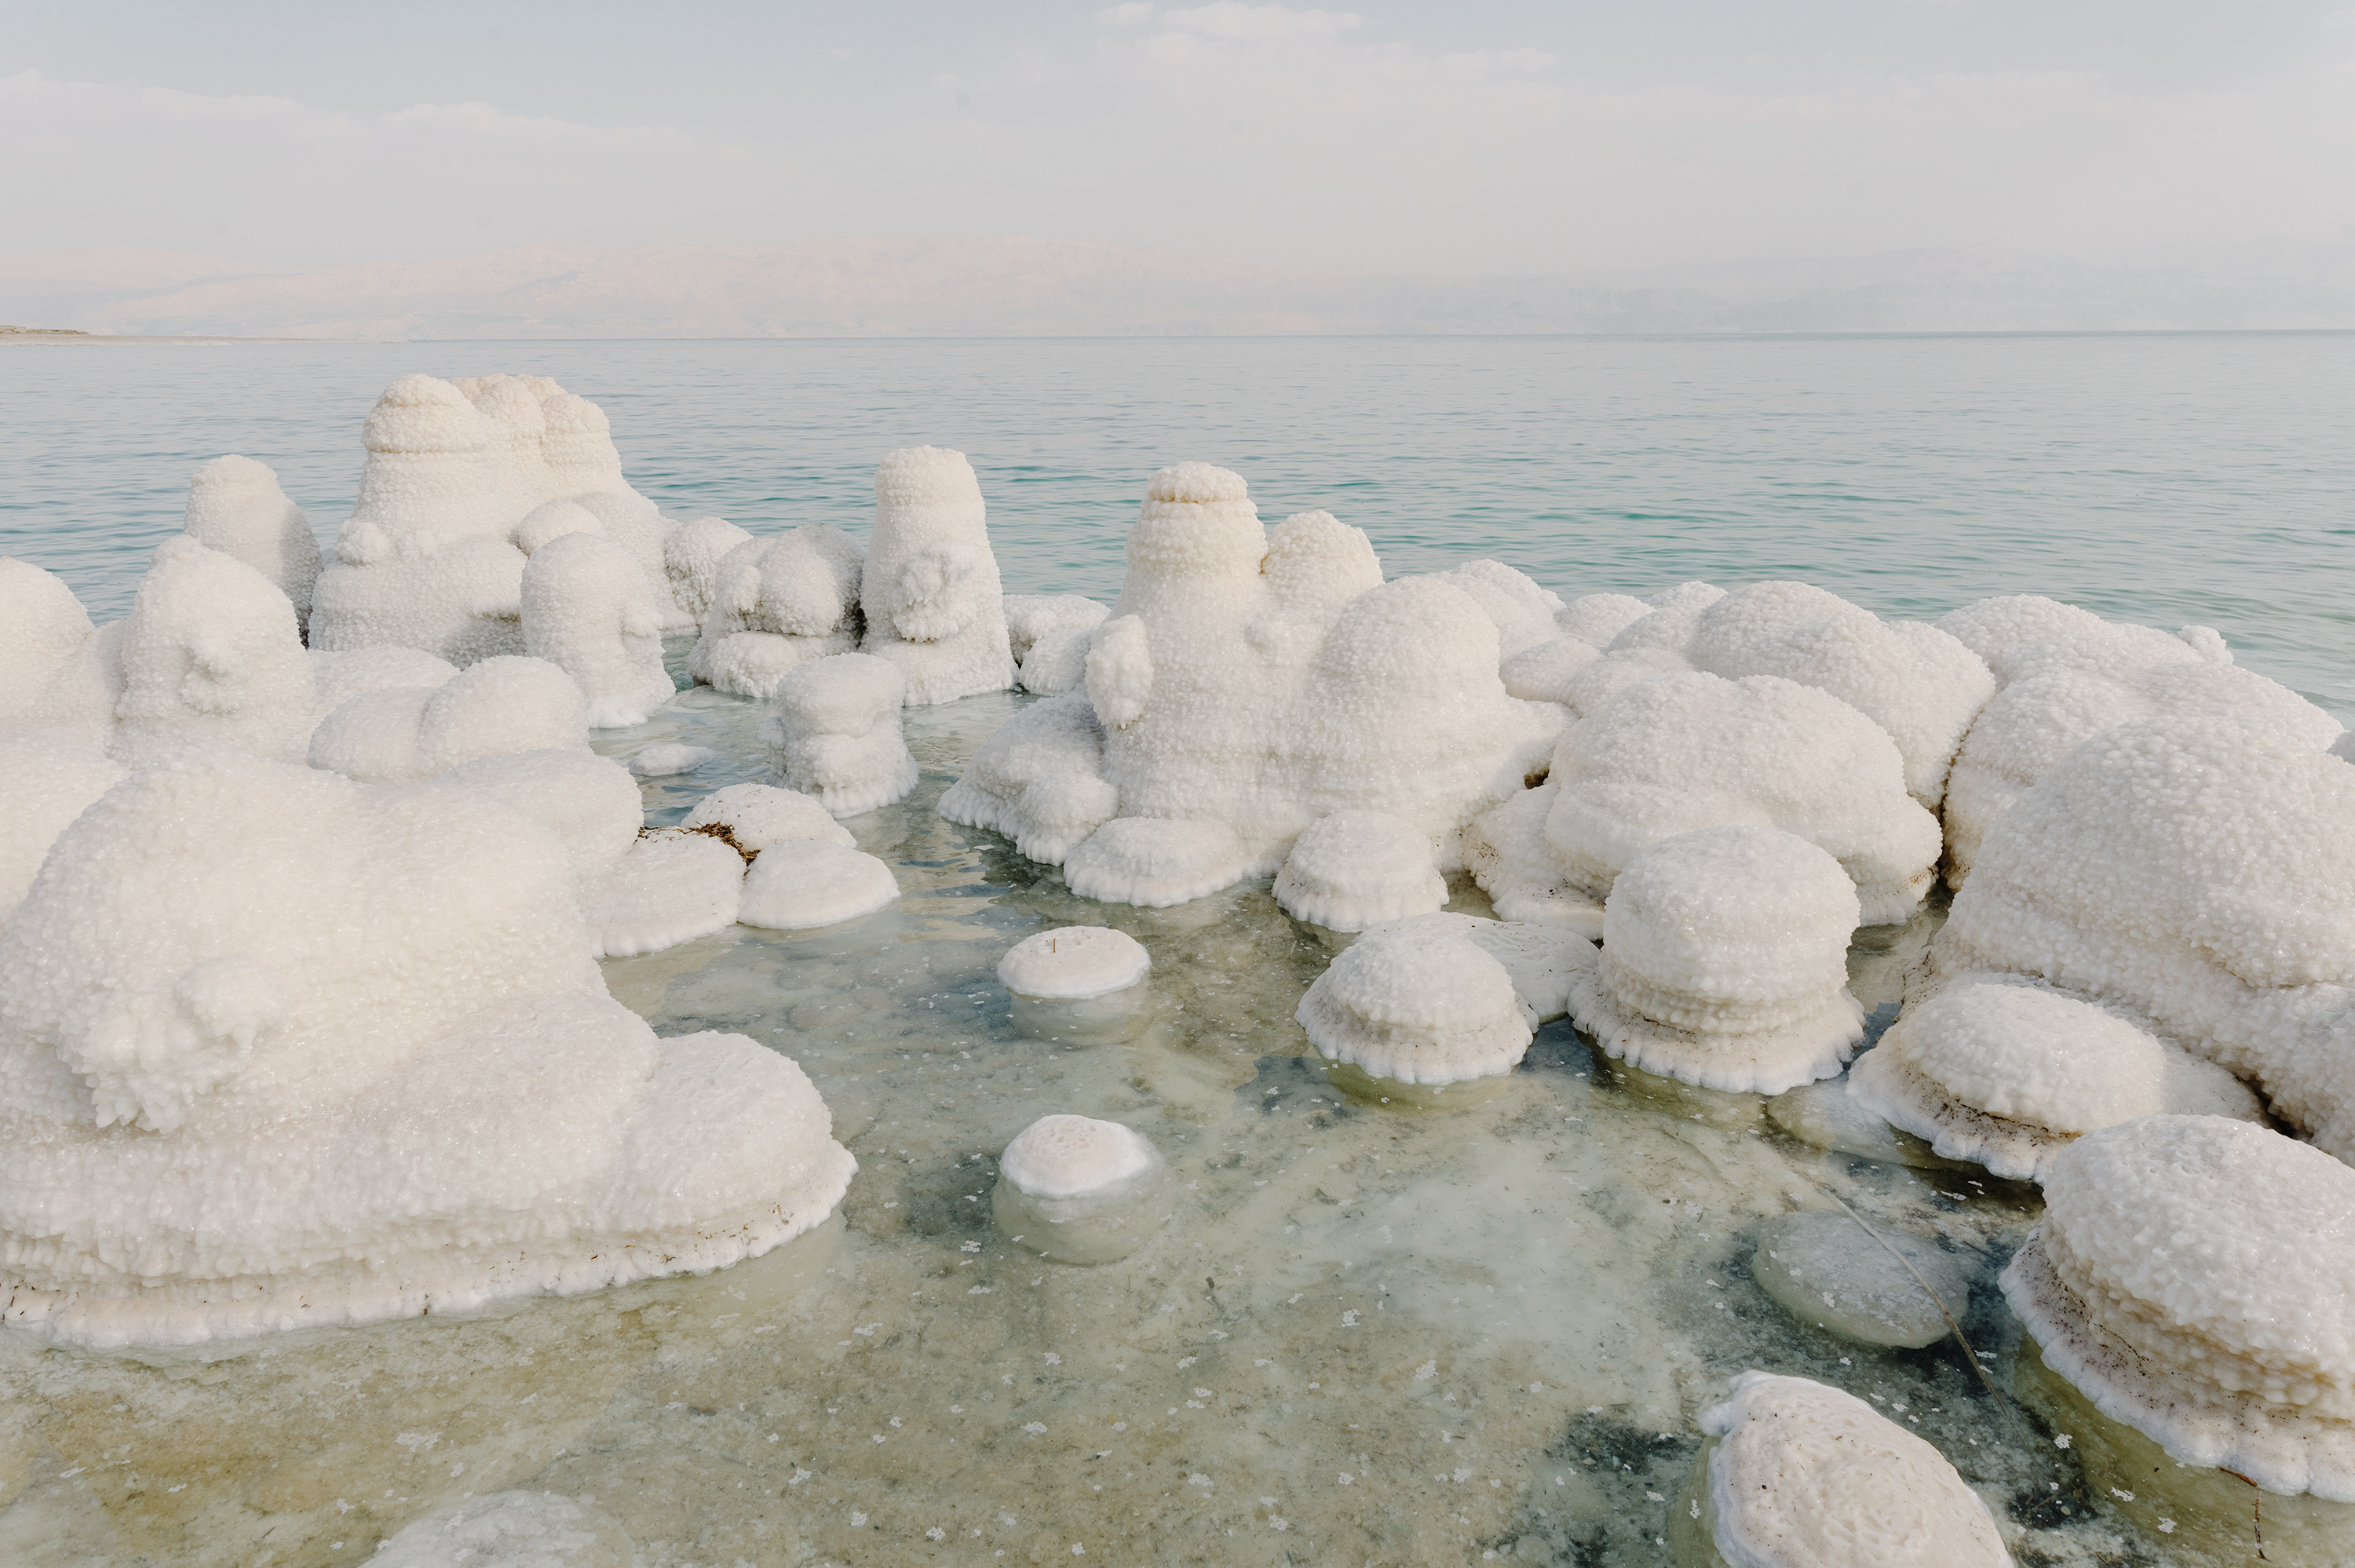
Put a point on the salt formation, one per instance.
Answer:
(1541, 959)
(2233, 1344)
(210, 657)
(589, 610)
(1598, 619)
(550, 521)
(834, 733)
(1081, 1191)
(671, 759)
(510, 1530)
(1403, 1009)
(1796, 1475)
(355, 672)
(279, 1049)
(1725, 962)
(1084, 984)
(802, 883)
(235, 507)
(1874, 1289)
(929, 589)
(1356, 869)
(42, 625)
(2198, 875)
(1522, 612)
(1678, 751)
(1825, 1113)
(1249, 682)
(1049, 635)
(759, 817)
(496, 705)
(776, 603)
(47, 784)
(2009, 1074)
(691, 556)
(577, 445)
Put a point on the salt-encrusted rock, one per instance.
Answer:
(517, 455)
(1542, 673)
(1598, 619)
(510, 1530)
(1827, 1269)
(929, 589)
(1542, 960)
(2009, 1074)
(496, 706)
(1668, 627)
(41, 624)
(280, 1050)
(589, 610)
(670, 758)
(1522, 612)
(802, 884)
(1074, 962)
(776, 603)
(1796, 1475)
(1081, 1191)
(2012, 628)
(1401, 1009)
(47, 784)
(1826, 1114)
(1155, 861)
(692, 552)
(212, 658)
(759, 817)
(1056, 629)
(834, 733)
(550, 521)
(235, 507)
(1725, 962)
(1038, 779)
(1355, 869)
(577, 443)
(355, 672)
(2195, 1277)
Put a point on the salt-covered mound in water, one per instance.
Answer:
(1725, 962)
(759, 817)
(1404, 1009)
(589, 610)
(2202, 877)
(834, 733)
(802, 884)
(1084, 984)
(1356, 869)
(691, 556)
(2194, 1278)
(1049, 634)
(776, 603)
(210, 657)
(396, 733)
(42, 625)
(1079, 1190)
(1249, 682)
(1796, 1475)
(2010, 1074)
(929, 589)
(235, 507)
(281, 1050)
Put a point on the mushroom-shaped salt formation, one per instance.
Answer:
(1079, 1190)
(400, 733)
(802, 884)
(759, 817)
(776, 603)
(1355, 869)
(1416, 1017)
(929, 589)
(280, 1050)
(1541, 959)
(1050, 634)
(589, 610)
(1725, 962)
(1077, 982)
(835, 733)
(1873, 1287)
(2009, 1074)
(235, 507)
(1796, 1475)
(692, 552)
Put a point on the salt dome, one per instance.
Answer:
(2009, 1074)
(1079, 1190)
(776, 603)
(1417, 1007)
(235, 506)
(1049, 635)
(834, 734)
(1355, 869)
(2194, 1276)
(1796, 1475)
(589, 608)
(930, 590)
(759, 817)
(804, 884)
(278, 1049)
(1725, 962)
(396, 733)
(1249, 682)
(1073, 961)
(692, 552)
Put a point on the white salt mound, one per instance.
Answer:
(834, 733)
(930, 591)
(1079, 1190)
(1073, 961)
(671, 759)
(692, 552)
(510, 1530)
(802, 884)
(776, 603)
(1598, 619)
(355, 671)
(1725, 962)
(1541, 958)
(47, 784)
(496, 705)
(41, 625)
(235, 507)
(210, 658)
(1420, 1007)
(759, 817)
(1355, 869)
(1156, 861)
(2231, 1341)
(589, 611)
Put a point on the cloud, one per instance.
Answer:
(1228, 19)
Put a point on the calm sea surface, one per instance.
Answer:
(2165, 479)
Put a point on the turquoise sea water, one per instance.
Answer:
(2164, 478)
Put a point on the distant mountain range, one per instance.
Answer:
(1013, 286)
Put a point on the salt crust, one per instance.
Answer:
(235, 507)
(1067, 1156)
(759, 817)
(2008, 1074)
(1075, 962)
(1050, 634)
(1803, 1476)
(510, 1530)
(46, 785)
(834, 733)
(1417, 1006)
(41, 625)
(1541, 673)
(1522, 612)
(804, 884)
(931, 590)
(692, 552)
(1542, 960)
(1596, 619)
(776, 603)
(1079, 1190)
(281, 1050)
(671, 759)
(1725, 962)
(1249, 682)
(496, 705)
(2194, 1276)
(210, 657)
(589, 611)
(1355, 869)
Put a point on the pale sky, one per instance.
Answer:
(1465, 137)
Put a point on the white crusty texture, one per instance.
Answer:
(1067, 1156)
(1079, 1190)
(1355, 869)
(1687, 750)
(46, 783)
(929, 591)
(588, 611)
(2344, 746)
(42, 626)
(692, 552)
(1725, 962)
(1523, 612)
(509, 1529)
(550, 521)
(280, 1050)
(802, 883)
(577, 444)
(1156, 860)
(1802, 1475)
(2198, 873)
(2194, 1276)
(355, 672)
(1051, 634)
(1667, 628)
(2005, 630)
(1915, 682)
(399, 733)
(1542, 673)
(1507, 853)
(760, 816)
(672, 757)
(1419, 1006)
(1038, 779)
(834, 733)
(1598, 619)
(2008, 1074)
(235, 507)
(212, 658)
(776, 603)
(1542, 960)
(1073, 961)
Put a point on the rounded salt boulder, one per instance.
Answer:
(2009, 1074)
(1825, 1268)
(1725, 962)
(1350, 869)
(1796, 1475)
(835, 733)
(1078, 983)
(802, 884)
(1081, 1191)
(1155, 861)
(759, 817)
(1416, 1017)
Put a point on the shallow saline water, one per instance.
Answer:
(1369, 1335)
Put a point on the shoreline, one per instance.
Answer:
(68, 337)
